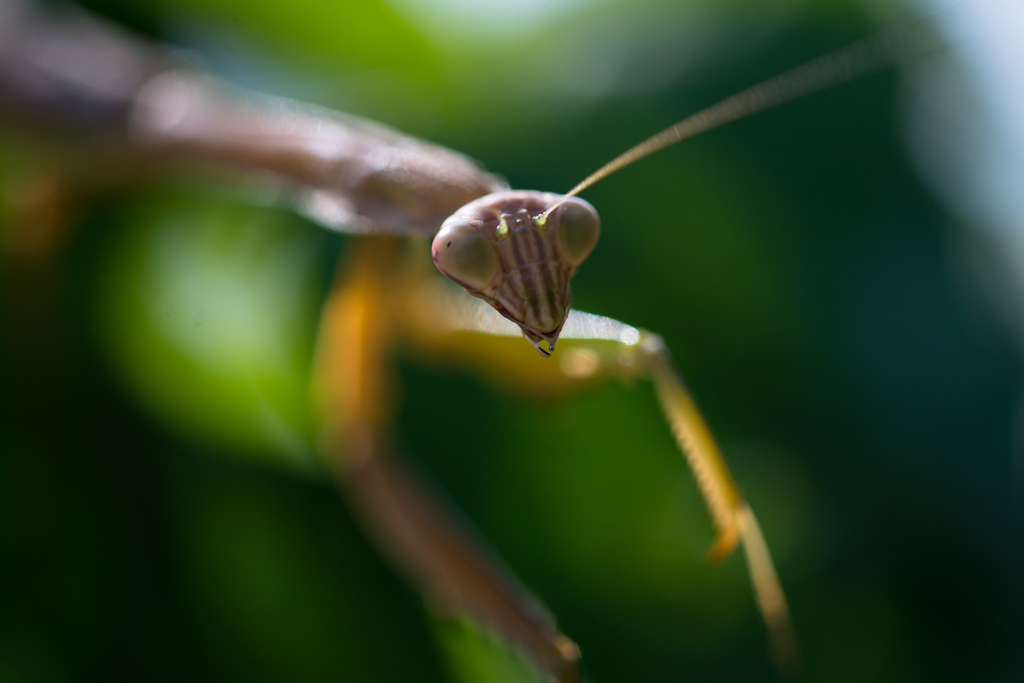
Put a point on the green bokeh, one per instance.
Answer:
(208, 308)
(793, 262)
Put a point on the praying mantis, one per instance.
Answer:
(511, 255)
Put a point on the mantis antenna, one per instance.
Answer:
(846, 64)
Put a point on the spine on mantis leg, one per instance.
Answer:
(723, 498)
(730, 513)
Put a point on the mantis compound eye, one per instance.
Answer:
(464, 255)
(578, 230)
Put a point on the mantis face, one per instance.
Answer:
(501, 249)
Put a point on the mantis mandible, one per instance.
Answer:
(512, 255)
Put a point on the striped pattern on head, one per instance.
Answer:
(496, 250)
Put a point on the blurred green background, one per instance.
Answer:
(162, 514)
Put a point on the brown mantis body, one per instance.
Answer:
(368, 180)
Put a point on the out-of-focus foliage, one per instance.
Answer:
(209, 309)
(476, 655)
(794, 263)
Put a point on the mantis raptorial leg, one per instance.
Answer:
(378, 304)
(363, 321)
(599, 349)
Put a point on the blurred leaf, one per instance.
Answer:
(209, 308)
(476, 655)
(282, 587)
(363, 35)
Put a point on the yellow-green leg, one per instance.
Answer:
(445, 321)
(360, 328)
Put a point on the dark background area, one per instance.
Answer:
(161, 517)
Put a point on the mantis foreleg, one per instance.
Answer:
(730, 512)
(421, 536)
(592, 348)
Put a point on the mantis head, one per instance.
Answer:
(517, 251)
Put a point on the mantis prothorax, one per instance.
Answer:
(515, 252)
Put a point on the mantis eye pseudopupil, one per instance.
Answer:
(578, 230)
(464, 255)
